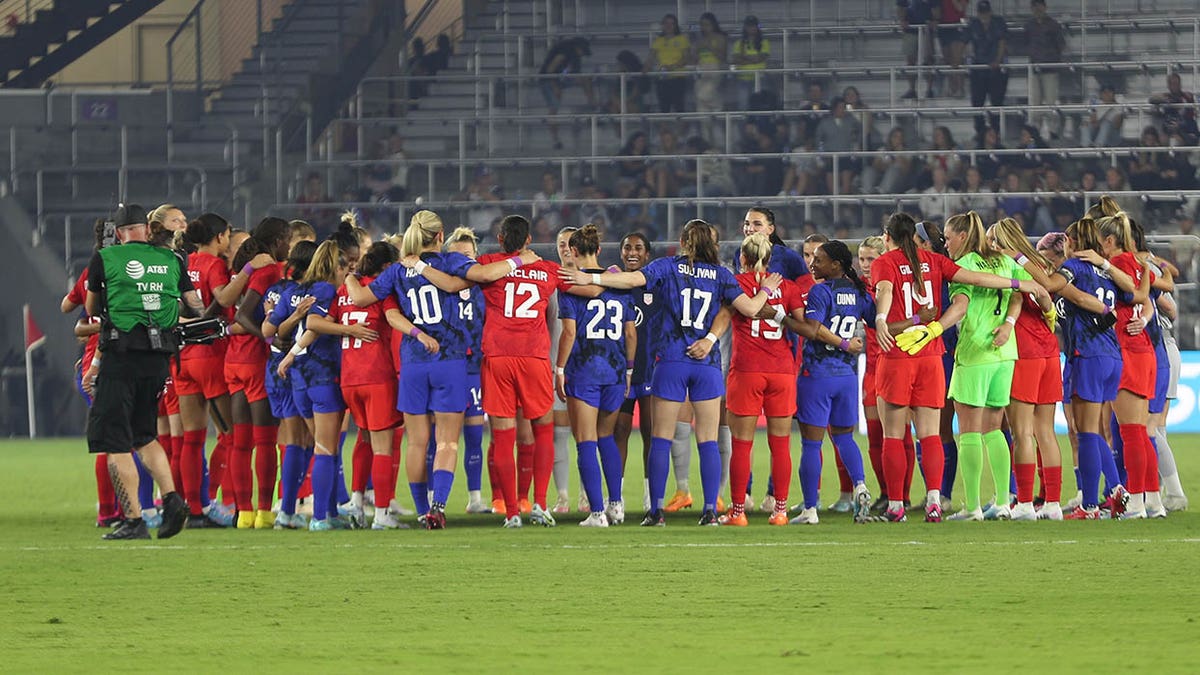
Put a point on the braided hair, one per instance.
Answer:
(839, 253)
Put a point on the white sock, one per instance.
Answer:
(681, 455)
(933, 497)
(356, 499)
(1137, 502)
(894, 505)
(1153, 500)
(475, 496)
(562, 459)
(725, 447)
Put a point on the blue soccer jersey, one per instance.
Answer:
(598, 355)
(1088, 338)
(321, 361)
(690, 297)
(279, 296)
(838, 305)
(784, 262)
(471, 307)
(429, 308)
(643, 310)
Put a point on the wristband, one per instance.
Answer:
(270, 341)
(915, 319)
(1022, 259)
(845, 345)
(516, 261)
(1106, 266)
(880, 317)
(711, 338)
(779, 314)
(560, 371)
(596, 280)
(1010, 320)
(247, 269)
(295, 350)
(419, 268)
(628, 364)
(1015, 283)
(96, 361)
(512, 265)
(415, 332)
(629, 372)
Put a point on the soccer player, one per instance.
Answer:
(762, 381)
(931, 238)
(562, 420)
(166, 222)
(827, 389)
(692, 288)
(636, 251)
(911, 383)
(593, 374)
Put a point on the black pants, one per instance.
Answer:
(124, 414)
(988, 84)
(671, 92)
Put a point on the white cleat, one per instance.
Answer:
(615, 512)
(1155, 511)
(1134, 515)
(767, 505)
(807, 516)
(562, 505)
(539, 516)
(1175, 502)
(384, 520)
(595, 519)
(583, 505)
(396, 509)
(477, 505)
(1076, 501)
(1050, 511)
(1024, 512)
(842, 505)
(997, 512)
(965, 515)
(513, 523)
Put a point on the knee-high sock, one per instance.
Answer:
(681, 455)
(218, 463)
(290, 476)
(710, 472)
(145, 488)
(191, 466)
(441, 481)
(739, 470)
(1118, 451)
(933, 463)
(543, 462)
(562, 460)
(473, 456)
(657, 467)
(106, 497)
(340, 494)
(851, 458)
(1108, 466)
(970, 460)
(781, 468)
(205, 500)
(361, 461)
(175, 456)
(1166, 464)
(875, 451)
(324, 473)
(1135, 440)
(1000, 459)
(587, 457)
(420, 494)
(493, 474)
(525, 453)
(845, 482)
(504, 468)
(240, 471)
(910, 462)
(1091, 449)
(810, 472)
(949, 468)
(1026, 473)
(613, 468)
(725, 447)
(1052, 481)
(266, 463)
(384, 480)
(895, 463)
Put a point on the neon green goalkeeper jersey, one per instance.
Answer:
(986, 309)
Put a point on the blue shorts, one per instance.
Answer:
(1095, 378)
(1066, 374)
(678, 381)
(1162, 382)
(474, 396)
(433, 386)
(603, 397)
(279, 391)
(314, 398)
(824, 401)
(79, 385)
(638, 390)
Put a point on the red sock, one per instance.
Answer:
(504, 469)
(105, 495)
(933, 462)
(1025, 475)
(239, 472)
(1135, 439)
(543, 461)
(397, 442)
(361, 462)
(384, 480)
(844, 481)
(191, 466)
(217, 462)
(739, 470)
(524, 469)
(1151, 480)
(894, 465)
(1053, 483)
(875, 452)
(174, 456)
(266, 463)
(493, 476)
(910, 462)
(781, 467)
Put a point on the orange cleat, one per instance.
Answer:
(681, 500)
(498, 506)
(720, 504)
(525, 506)
(739, 520)
(778, 518)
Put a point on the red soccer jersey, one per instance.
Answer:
(365, 362)
(907, 297)
(1034, 339)
(1127, 263)
(761, 345)
(516, 309)
(207, 272)
(78, 295)
(243, 347)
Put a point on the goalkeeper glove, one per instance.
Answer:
(914, 339)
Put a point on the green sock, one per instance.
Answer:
(970, 463)
(1000, 460)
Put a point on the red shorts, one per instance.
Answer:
(511, 382)
(870, 393)
(168, 402)
(373, 405)
(250, 378)
(204, 376)
(1137, 373)
(771, 394)
(1037, 381)
(914, 383)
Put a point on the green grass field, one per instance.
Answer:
(838, 597)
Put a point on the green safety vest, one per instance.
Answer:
(141, 286)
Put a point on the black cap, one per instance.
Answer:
(129, 214)
(983, 6)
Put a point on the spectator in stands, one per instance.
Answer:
(1046, 41)
(637, 167)
(1103, 128)
(670, 171)
(593, 209)
(484, 191)
(1036, 158)
(814, 106)
(1151, 170)
(840, 132)
(1185, 251)
(1184, 172)
(637, 85)
(641, 216)
(378, 189)
(716, 176)
(977, 196)
(541, 231)
(763, 175)
(1012, 205)
(1087, 180)
(991, 166)
(1054, 208)
(805, 174)
(913, 15)
(670, 53)
(710, 53)
(953, 41)
(1177, 110)
(439, 59)
(939, 200)
(889, 174)
(1116, 181)
(859, 110)
(943, 154)
(988, 35)
(315, 193)
(750, 53)
(565, 58)
(416, 67)
(548, 202)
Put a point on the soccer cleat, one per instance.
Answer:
(615, 512)
(498, 506)
(128, 529)
(218, 516)
(1157, 511)
(583, 505)
(708, 519)
(563, 505)
(153, 518)
(1024, 512)
(842, 505)
(1081, 513)
(895, 515)
(294, 521)
(749, 503)
(399, 510)
(264, 520)
(681, 500)
(767, 505)
(880, 505)
(539, 516)
(933, 512)
(778, 518)
(595, 519)
(1075, 502)
(174, 515)
(513, 523)
(524, 506)
(808, 516)
(477, 505)
(1133, 514)
(386, 521)
(1175, 502)
(862, 504)
(739, 520)
(1050, 511)
(108, 521)
(320, 525)
(998, 512)
(340, 523)
(969, 516)
(1118, 501)
(352, 514)
(199, 522)
(720, 504)
(654, 519)
(435, 519)
(245, 520)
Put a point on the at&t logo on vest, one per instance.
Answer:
(135, 269)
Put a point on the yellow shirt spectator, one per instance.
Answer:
(671, 52)
(745, 48)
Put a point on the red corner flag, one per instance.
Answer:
(33, 335)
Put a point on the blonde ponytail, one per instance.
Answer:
(756, 249)
(422, 231)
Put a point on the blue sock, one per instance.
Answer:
(441, 480)
(588, 461)
(1078, 481)
(949, 468)
(658, 465)
(1118, 450)
(145, 484)
(1090, 451)
(290, 477)
(324, 471)
(810, 471)
(430, 453)
(204, 500)
(420, 495)
(750, 484)
(340, 495)
(473, 456)
(851, 456)
(710, 473)
(1108, 466)
(610, 463)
